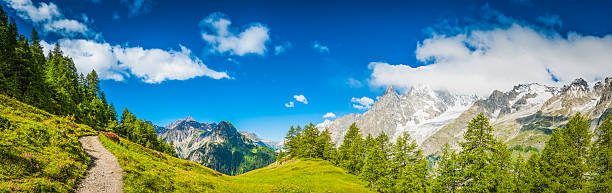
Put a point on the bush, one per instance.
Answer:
(112, 136)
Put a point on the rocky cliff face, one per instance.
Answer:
(528, 113)
(525, 114)
(218, 146)
(421, 112)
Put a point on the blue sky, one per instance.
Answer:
(248, 62)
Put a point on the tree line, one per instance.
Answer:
(569, 162)
(53, 84)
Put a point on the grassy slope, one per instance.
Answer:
(39, 152)
(146, 170)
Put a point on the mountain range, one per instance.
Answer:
(524, 115)
(218, 146)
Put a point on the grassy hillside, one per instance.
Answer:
(39, 152)
(303, 176)
(147, 170)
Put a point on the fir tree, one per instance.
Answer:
(554, 167)
(601, 158)
(376, 168)
(484, 160)
(352, 150)
(324, 146)
(448, 173)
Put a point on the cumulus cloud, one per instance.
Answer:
(156, 65)
(290, 104)
(137, 7)
(300, 98)
(150, 65)
(216, 31)
(320, 47)
(329, 115)
(363, 103)
(480, 60)
(49, 18)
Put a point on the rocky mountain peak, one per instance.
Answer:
(225, 130)
(577, 85)
(188, 119)
(390, 91)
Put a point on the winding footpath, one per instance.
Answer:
(104, 174)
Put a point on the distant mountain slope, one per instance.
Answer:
(218, 146)
(524, 115)
(147, 170)
(527, 114)
(420, 112)
(39, 152)
(273, 145)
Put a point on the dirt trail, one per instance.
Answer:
(104, 174)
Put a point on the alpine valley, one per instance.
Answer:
(218, 146)
(524, 115)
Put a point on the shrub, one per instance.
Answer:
(112, 136)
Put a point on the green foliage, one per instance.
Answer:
(236, 158)
(376, 169)
(448, 173)
(352, 151)
(484, 161)
(141, 132)
(309, 143)
(601, 158)
(50, 83)
(39, 152)
(520, 148)
(409, 168)
(147, 170)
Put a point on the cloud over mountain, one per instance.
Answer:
(481, 59)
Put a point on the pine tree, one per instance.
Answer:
(351, 150)
(533, 177)
(554, 168)
(577, 137)
(485, 160)
(448, 173)
(309, 141)
(601, 158)
(518, 174)
(289, 145)
(409, 168)
(376, 168)
(324, 146)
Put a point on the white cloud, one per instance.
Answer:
(156, 65)
(354, 83)
(137, 7)
(480, 60)
(290, 104)
(216, 31)
(49, 18)
(320, 47)
(150, 65)
(329, 115)
(278, 49)
(300, 98)
(363, 103)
